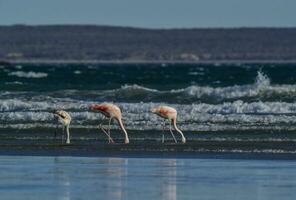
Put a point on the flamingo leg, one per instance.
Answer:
(163, 129)
(172, 132)
(109, 127)
(55, 131)
(68, 134)
(63, 134)
(108, 134)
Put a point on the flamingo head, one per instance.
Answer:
(183, 140)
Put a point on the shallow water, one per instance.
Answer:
(24, 177)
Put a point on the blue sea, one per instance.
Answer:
(239, 120)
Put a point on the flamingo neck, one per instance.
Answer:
(123, 129)
(178, 130)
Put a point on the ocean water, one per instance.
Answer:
(239, 120)
(145, 178)
(215, 102)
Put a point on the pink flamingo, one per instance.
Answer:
(169, 113)
(110, 111)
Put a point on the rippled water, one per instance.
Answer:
(137, 178)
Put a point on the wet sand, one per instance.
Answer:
(245, 145)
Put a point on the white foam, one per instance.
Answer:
(14, 83)
(77, 72)
(262, 83)
(18, 66)
(30, 74)
(136, 87)
(196, 73)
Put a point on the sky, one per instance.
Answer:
(151, 13)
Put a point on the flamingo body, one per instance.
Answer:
(169, 113)
(165, 112)
(107, 109)
(111, 111)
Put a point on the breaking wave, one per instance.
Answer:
(260, 90)
(237, 115)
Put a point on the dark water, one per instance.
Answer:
(137, 178)
(233, 102)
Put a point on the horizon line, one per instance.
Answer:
(149, 28)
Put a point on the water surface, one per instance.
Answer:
(24, 177)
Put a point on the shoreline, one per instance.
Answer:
(167, 151)
(146, 62)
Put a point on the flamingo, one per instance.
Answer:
(65, 119)
(169, 113)
(110, 111)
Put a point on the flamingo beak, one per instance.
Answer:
(153, 110)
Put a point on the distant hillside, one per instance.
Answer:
(132, 44)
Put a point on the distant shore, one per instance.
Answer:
(111, 44)
(147, 62)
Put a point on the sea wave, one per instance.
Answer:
(237, 115)
(236, 107)
(260, 90)
(14, 83)
(29, 74)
